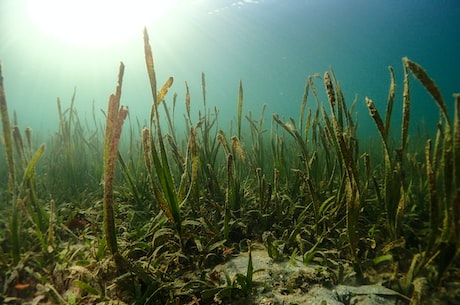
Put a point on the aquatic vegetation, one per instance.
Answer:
(183, 202)
(21, 194)
(76, 148)
(116, 116)
(169, 196)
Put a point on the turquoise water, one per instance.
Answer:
(272, 46)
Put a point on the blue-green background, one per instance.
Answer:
(271, 45)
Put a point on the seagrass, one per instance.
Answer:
(456, 200)
(237, 149)
(457, 139)
(314, 126)
(228, 195)
(27, 182)
(257, 137)
(406, 110)
(292, 130)
(189, 167)
(129, 178)
(28, 132)
(339, 102)
(329, 90)
(309, 125)
(187, 102)
(149, 150)
(32, 207)
(327, 202)
(391, 98)
(352, 192)
(7, 135)
(447, 159)
(240, 108)
(261, 185)
(428, 84)
(146, 145)
(166, 194)
(19, 145)
(115, 118)
(303, 105)
(203, 88)
(172, 129)
(150, 70)
(223, 141)
(378, 120)
(441, 174)
(11, 192)
(171, 197)
(367, 166)
(392, 183)
(434, 208)
(51, 224)
(164, 90)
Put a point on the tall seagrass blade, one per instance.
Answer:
(7, 135)
(116, 115)
(447, 160)
(352, 188)
(456, 200)
(391, 181)
(240, 108)
(391, 98)
(169, 196)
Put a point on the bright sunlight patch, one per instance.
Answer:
(96, 23)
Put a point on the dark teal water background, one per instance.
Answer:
(272, 46)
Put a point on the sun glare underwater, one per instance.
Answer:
(229, 152)
(95, 24)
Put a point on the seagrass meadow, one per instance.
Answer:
(115, 211)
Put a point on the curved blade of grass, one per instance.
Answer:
(374, 113)
(390, 182)
(33, 210)
(164, 90)
(428, 83)
(391, 185)
(391, 98)
(447, 161)
(291, 129)
(30, 169)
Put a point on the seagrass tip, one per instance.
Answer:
(329, 89)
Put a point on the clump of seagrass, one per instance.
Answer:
(7, 134)
(21, 193)
(346, 148)
(170, 197)
(442, 173)
(116, 115)
(11, 177)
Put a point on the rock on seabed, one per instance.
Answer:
(292, 282)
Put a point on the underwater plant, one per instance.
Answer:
(308, 191)
(116, 115)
